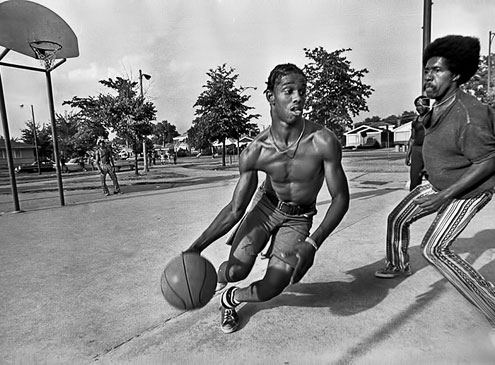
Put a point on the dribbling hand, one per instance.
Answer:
(305, 257)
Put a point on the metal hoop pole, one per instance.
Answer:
(55, 138)
(35, 135)
(8, 148)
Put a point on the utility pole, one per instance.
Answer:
(488, 81)
(145, 153)
(35, 136)
(426, 36)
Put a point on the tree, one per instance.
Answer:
(164, 132)
(127, 113)
(87, 133)
(478, 84)
(335, 91)
(221, 108)
(66, 131)
(197, 136)
(44, 134)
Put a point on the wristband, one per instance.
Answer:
(312, 243)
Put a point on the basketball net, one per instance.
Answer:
(45, 52)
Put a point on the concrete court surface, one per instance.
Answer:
(80, 285)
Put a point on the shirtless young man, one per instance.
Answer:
(297, 156)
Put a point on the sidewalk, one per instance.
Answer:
(80, 284)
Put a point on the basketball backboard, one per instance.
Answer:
(24, 23)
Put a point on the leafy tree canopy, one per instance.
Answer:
(164, 132)
(335, 92)
(221, 110)
(44, 139)
(126, 113)
(478, 84)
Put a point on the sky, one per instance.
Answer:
(177, 42)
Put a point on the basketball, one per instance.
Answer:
(188, 281)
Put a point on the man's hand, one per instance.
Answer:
(305, 257)
(431, 203)
(408, 160)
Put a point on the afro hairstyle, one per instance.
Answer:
(462, 54)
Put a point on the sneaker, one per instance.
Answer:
(389, 272)
(230, 320)
(118, 192)
(106, 194)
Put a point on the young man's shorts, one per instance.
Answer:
(264, 222)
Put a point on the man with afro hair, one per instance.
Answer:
(459, 157)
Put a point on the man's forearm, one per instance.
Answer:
(221, 225)
(409, 149)
(333, 217)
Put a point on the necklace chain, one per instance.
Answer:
(295, 143)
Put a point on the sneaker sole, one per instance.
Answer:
(392, 276)
(229, 330)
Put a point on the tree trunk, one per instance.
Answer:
(136, 172)
(238, 151)
(223, 152)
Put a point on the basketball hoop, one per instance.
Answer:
(45, 52)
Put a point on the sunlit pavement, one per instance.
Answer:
(80, 284)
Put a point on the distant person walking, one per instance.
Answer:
(63, 165)
(414, 157)
(459, 155)
(106, 165)
(91, 161)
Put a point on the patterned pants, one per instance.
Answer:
(108, 169)
(450, 221)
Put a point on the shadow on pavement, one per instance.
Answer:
(343, 298)
(366, 291)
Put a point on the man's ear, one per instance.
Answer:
(270, 97)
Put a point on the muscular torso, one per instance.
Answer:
(294, 177)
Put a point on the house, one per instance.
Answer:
(402, 134)
(366, 135)
(245, 140)
(182, 143)
(22, 153)
(232, 143)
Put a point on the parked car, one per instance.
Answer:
(45, 166)
(76, 164)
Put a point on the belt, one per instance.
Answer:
(289, 208)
